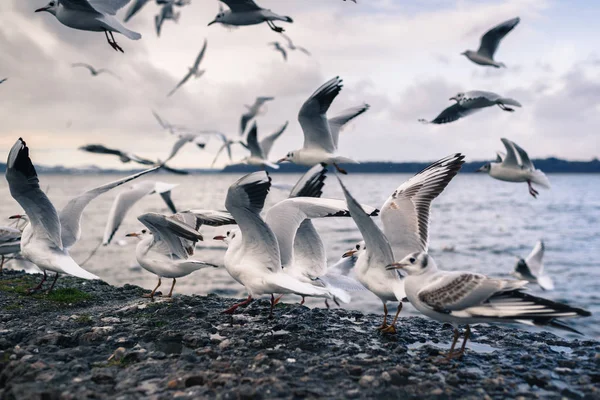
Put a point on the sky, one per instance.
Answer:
(403, 58)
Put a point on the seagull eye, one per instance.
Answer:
(412, 260)
(358, 247)
(143, 231)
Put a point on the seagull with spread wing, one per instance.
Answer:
(516, 166)
(253, 110)
(277, 47)
(259, 151)
(94, 71)
(489, 44)
(531, 269)
(247, 12)
(292, 46)
(405, 217)
(91, 15)
(194, 70)
(468, 103)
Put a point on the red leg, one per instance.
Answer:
(340, 169)
(234, 307)
(1, 264)
(53, 283)
(277, 299)
(302, 302)
(39, 286)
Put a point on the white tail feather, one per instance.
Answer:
(539, 178)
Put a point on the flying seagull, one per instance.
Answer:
(246, 12)
(277, 47)
(292, 46)
(259, 151)
(3, 80)
(193, 70)
(516, 167)
(468, 103)
(91, 15)
(166, 12)
(531, 269)
(94, 71)
(489, 44)
(127, 157)
(253, 111)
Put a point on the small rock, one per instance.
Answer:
(194, 380)
(224, 344)
(110, 320)
(118, 354)
(366, 381)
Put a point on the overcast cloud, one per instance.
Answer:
(403, 60)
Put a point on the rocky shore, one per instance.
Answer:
(92, 340)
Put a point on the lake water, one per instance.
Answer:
(485, 221)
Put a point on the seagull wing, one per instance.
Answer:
(267, 143)
(452, 113)
(79, 5)
(253, 145)
(288, 39)
(311, 183)
(211, 217)
(313, 118)
(100, 149)
(200, 56)
(245, 200)
(171, 230)
(378, 249)
(70, 215)
(511, 159)
(181, 83)
(492, 38)
(83, 65)
(405, 214)
(106, 6)
(121, 205)
(244, 122)
(535, 259)
(500, 156)
(241, 5)
(178, 145)
(337, 123)
(525, 161)
(164, 190)
(135, 7)
(24, 187)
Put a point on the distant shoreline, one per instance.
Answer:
(548, 165)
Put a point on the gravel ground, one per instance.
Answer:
(92, 340)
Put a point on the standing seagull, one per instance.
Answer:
(489, 44)
(319, 143)
(246, 12)
(253, 111)
(277, 47)
(463, 297)
(516, 167)
(166, 249)
(405, 217)
(193, 70)
(259, 151)
(468, 103)
(292, 46)
(532, 268)
(91, 15)
(94, 71)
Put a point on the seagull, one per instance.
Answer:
(185, 138)
(127, 198)
(489, 44)
(10, 243)
(259, 152)
(302, 250)
(532, 268)
(166, 12)
(516, 167)
(126, 157)
(463, 297)
(226, 145)
(165, 248)
(253, 111)
(470, 102)
(47, 238)
(3, 80)
(405, 217)
(193, 70)
(91, 15)
(165, 125)
(246, 12)
(319, 144)
(94, 71)
(292, 46)
(253, 258)
(277, 47)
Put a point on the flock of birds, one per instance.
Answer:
(280, 252)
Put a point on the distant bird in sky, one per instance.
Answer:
(468, 103)
(91, 15)
(167, 11)
(246, 12)
(193, 70)
(227, 143)
(489, 44)
(516, 167)
(531, 269)
(253, 111)
(319, 144)
(128, 197)
(94, 71)
(277, 47)
(164, 124)
(292, 46)
(3, 80)
(259, 151)
(184, 138)
(126, 157)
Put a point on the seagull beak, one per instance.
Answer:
(349, 253)
(212, 22)
(284, 159)
(453, 98)
(134, 234)
(18, 216)
(398, 265)
(220, 237)
(41, 9)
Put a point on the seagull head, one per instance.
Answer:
(288, 158)
(357, 249)
(138, 235)
(229, 236)
(219, 18)
(485, 168)
(52, 7)
(414, 264)
(458, 97)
